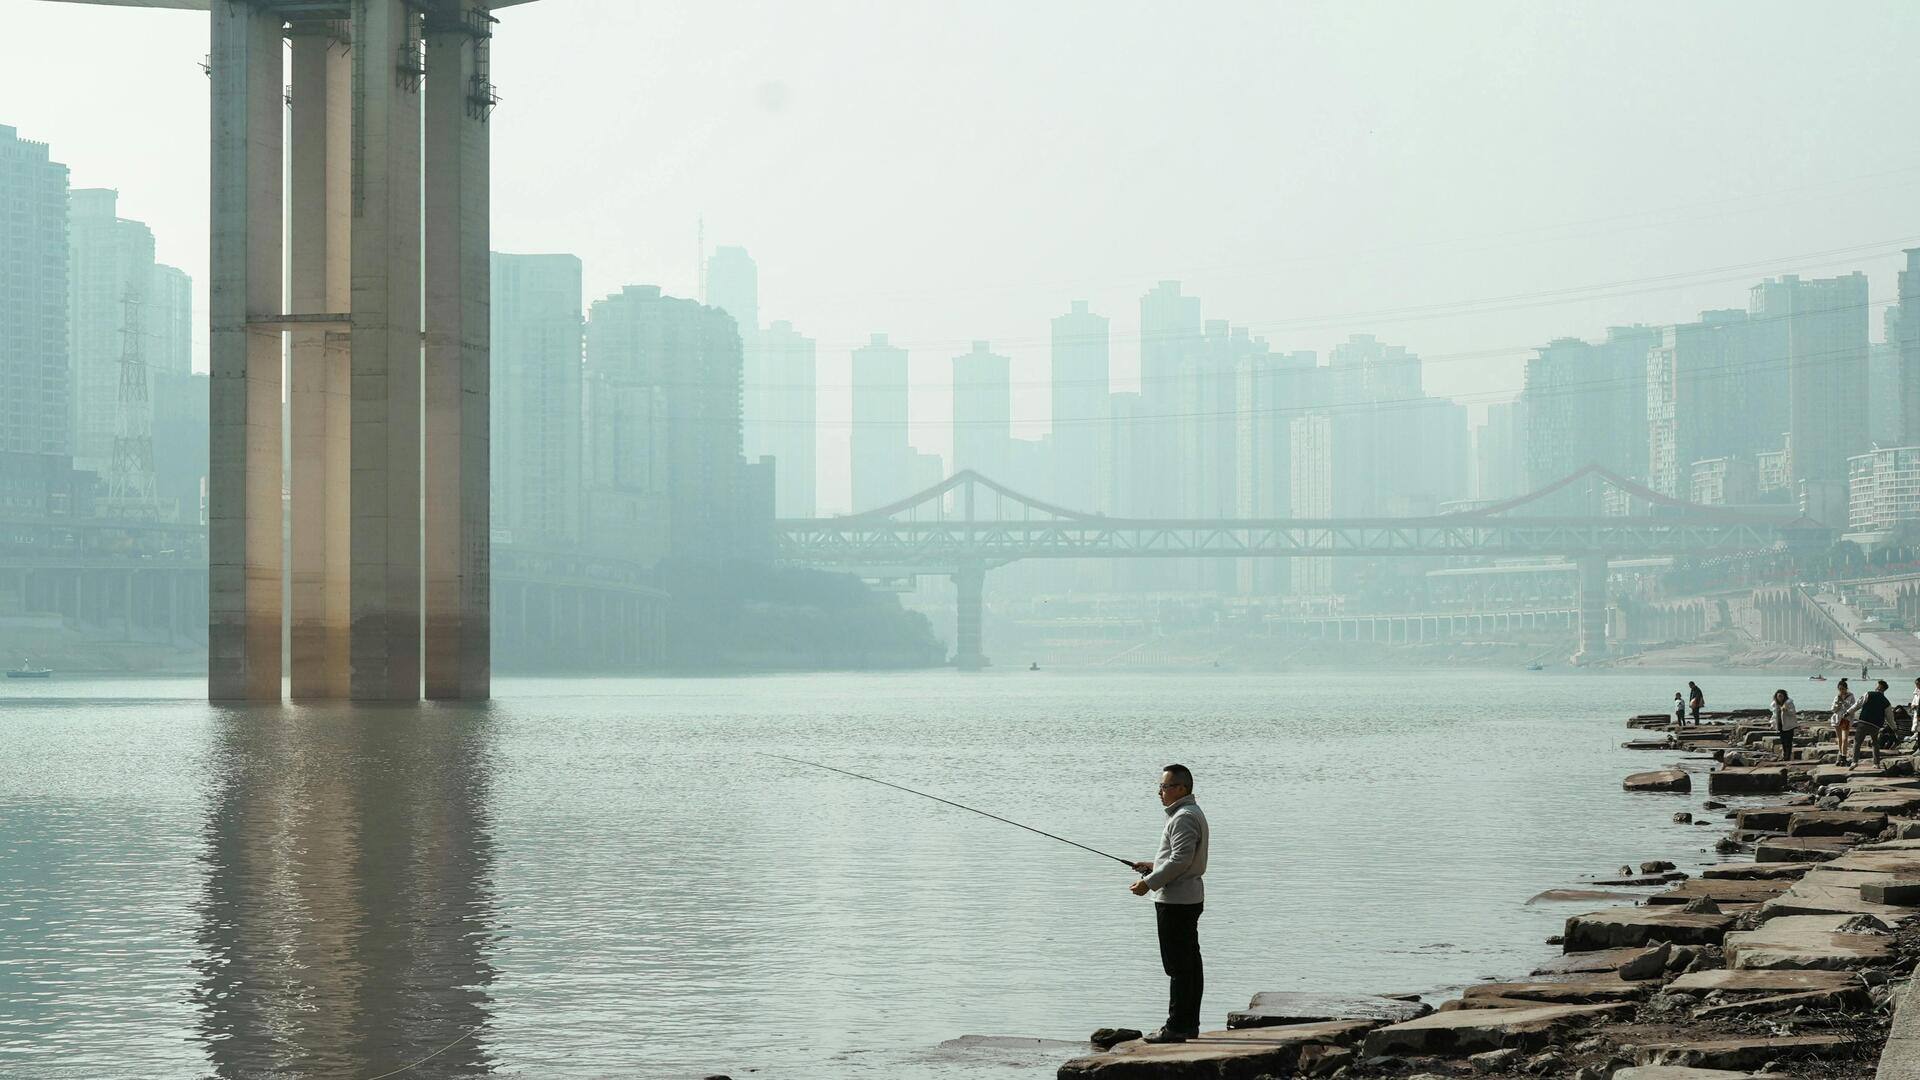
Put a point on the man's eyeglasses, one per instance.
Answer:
(1171, 787)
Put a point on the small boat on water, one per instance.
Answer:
(26, 670)
(1536, 667)
(1818, 678)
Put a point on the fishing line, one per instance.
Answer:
(1128, 863)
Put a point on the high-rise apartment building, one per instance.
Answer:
(1081, 392)
(36, 411)
(1170, 394)
(663, 427)
(168, 311)
(733, 286)
(1903, 333)
(1826, 322)
(780, 414)
(1366, 371)
(537, 401)
(983, 413)
(1586, 404)
(1499, 466)
(1716, 388)
(110, 274)
(881, 457)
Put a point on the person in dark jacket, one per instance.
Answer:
(1175, 875)
(1695, 700)
(1872, 717)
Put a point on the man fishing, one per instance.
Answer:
(1174, 876)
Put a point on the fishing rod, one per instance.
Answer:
(1128, 863)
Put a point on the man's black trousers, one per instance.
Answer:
(1179, 926)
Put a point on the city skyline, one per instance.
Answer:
(1282, 250)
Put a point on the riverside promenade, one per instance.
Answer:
(1786, 953)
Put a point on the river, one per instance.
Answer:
(601, 878)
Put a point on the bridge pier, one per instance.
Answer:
(969, 581)
(1593, 608)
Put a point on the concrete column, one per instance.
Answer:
(243, 471)
(385, 496)
(970, 583)
(457, 297)
(1593, 608)
(319, 402)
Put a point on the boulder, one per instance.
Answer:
(1643, 879)
(1562, 896)
(1656, 866)
(1617, 928)
(1802, 848)
(1283, 1051)
(1835, 823)
(1107, 1038)
(1467, 1031)
(1742, 1053)
(1807, 942)
(1281, 1008)
(1659, 780)
(1757, 871)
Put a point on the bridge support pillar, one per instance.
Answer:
(1593, 609)
(969, 582)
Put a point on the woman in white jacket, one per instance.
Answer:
(1844, 706)
(1786, 718)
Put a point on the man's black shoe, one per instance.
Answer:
(1168, 1035)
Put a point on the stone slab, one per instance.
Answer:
(1758, 981)
(1890, 804)
(1616, 928)
(1831, 889)
(1469, 1031)
(1802, 848)
(1747, 1053)
(1807, 942)
(1228, 1055)
(1629, 963)
(1593, 990)
(1765, 818)
(1845, 998)
(1684, 1073)
(1283, 1008)
(1750, 780)
(1835, 823)
(1893, 891)
(1659, 780)
(1721, 891)
(1757, 871)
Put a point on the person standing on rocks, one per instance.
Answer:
(1679, 710)
(1785, 719)
(1844, 706)
(1695, 700)
(1873, 717)
(1175, 877)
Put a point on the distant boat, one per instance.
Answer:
(1818, 678)
(1035, 666)
(1536, 667)
(26, 670)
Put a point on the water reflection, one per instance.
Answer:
(348, 916)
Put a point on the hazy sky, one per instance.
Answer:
(1468, 179)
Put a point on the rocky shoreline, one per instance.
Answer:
(1789, 958)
